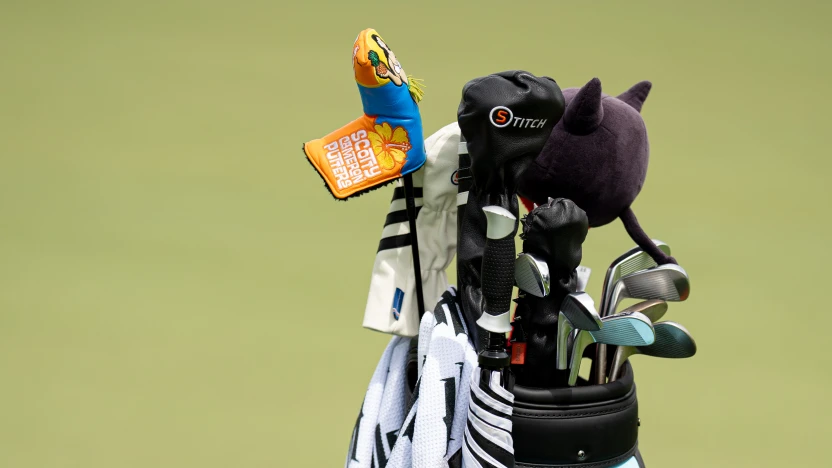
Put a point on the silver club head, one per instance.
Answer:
(629, 262)
(669, 283)
(624, 329)
(577, 311)
(654, 309)
(673, 341)
(531, 275)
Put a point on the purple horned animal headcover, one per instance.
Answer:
(597, 156)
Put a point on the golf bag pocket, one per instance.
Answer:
(584, 426)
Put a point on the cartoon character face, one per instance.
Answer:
(394, 72)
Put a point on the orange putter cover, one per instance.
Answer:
(384, 143)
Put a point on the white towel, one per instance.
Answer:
(431, 434)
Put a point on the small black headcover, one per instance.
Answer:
(555, 232)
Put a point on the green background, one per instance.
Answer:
(178, 289)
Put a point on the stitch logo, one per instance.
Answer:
(455, 177)
(502, 117)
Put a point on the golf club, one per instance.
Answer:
(630, 261)
(625, 329)
(673, 341)
(576, 312)
(531, 275)
(666, 282)
(654, 309)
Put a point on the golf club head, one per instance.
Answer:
(629, 262)
(669, 283)
(673, 341)
(624, 329)
(654, 309)
(579, 308)
(577, 311)
(531, 275)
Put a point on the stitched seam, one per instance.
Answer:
(621, 400)
(567, 416)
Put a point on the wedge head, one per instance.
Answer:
(673, 341)
(654, 309)
(531, 275)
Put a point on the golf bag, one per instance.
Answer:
(426, 406)
(433, 400)
(584, 426)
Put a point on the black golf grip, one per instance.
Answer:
(498, 274)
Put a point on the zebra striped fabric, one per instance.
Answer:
(488, 442)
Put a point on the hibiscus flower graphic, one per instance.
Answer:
(390, 146)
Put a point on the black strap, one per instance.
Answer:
(399, 192)
(410, 203)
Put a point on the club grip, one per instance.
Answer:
(498, 269)
(498, 274)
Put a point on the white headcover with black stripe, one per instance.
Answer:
(391, 302)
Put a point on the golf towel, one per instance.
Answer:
(426, 430)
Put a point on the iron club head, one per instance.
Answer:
(624, 329)
(669, 283)
(673, 341)
(531, 275)
(654, 309)
(629, 262)
(577, 311)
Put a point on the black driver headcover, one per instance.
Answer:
(505, 118)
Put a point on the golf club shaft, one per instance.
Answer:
(601, 349)
(622, 353)
(599, 364)
(581, 341)
(561, 350)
